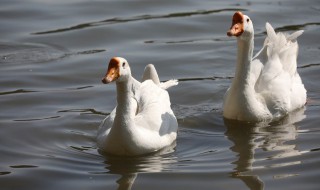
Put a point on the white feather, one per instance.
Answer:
(143, 124)
(274, 86)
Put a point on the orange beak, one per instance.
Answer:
(236, 28)
(113, 72)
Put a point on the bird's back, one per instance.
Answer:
(279, 82)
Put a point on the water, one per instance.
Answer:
(54, 53)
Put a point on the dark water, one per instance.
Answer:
(54, 53)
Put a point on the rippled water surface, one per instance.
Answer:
(53, 54)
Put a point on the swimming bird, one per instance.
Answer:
(142, 121)
(266, 86)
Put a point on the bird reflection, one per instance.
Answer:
(129, 167)
(268, 137)
(126, 181)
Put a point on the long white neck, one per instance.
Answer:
(242, 88)
(244, 58)
(126, 104)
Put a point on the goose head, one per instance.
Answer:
(118, 70)
(241, 27)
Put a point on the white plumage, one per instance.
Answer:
(142, 122)
(268, 86)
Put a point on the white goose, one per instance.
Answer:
(142, 122)
(267, 86)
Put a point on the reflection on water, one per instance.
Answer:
(244, 138)
(126, 181)
(248, 138)
(129, 167)
(52, 101)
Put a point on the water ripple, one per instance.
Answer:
(309, 65)
(205, 78)
(4, 173)
(136, 18)
(219, 39)
(38, 119)
(18, 91)
(296, 27)
(26, 53)
(24, 91)
(29, 53)
(23, 166)
(85, 111)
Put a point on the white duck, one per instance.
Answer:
(142, 122)
(267, 86)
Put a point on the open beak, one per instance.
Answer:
(236, 28)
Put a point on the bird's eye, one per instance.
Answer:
(248, 20)
(123, 64)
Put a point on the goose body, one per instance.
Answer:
(142, 122)
(266, 86)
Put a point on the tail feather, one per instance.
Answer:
(271, 33)
(169, 83)
(280, 40)
(150, 72)
(284, 46)
(271, 40)
(294, 35)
